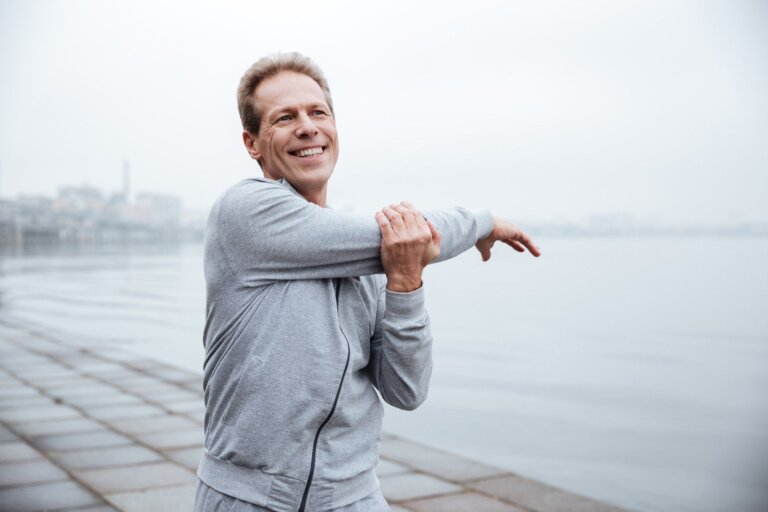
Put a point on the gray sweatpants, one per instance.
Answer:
(211, 500)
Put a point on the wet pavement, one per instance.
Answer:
(89, 427)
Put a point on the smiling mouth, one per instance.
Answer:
(309, 152)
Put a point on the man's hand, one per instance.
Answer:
(408, 243)
(508, 233)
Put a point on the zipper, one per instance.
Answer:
(336, 286)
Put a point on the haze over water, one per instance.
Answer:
(632, 370)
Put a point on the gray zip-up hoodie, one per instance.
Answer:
(300, 329)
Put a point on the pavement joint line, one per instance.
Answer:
(60, 466)
(192, 383)
(29, 440)
(464, 488)
(104, 380)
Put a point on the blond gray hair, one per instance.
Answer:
(266, 67)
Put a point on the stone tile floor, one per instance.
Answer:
(92, 428)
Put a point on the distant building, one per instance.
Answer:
(84, 214)
(158, 209)
(82, 198)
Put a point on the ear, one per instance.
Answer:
(251, 145)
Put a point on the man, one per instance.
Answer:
(310, 311)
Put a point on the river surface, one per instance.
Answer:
(632, 370)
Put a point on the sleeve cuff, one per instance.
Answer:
(405, 303)
(484, 223)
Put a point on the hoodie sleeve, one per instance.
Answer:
(265, 232)
(400, 364)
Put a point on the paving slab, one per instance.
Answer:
(127, 375)
(195, 384)
(81, 441)
(27, 472)
(77, 358)
(388, 467)
(148, 389)
(409, 486)
(97, 508)
(437, 462)
(41, 374)
(538, 496)
(136, 478)
(173, 439)
(101, 367)
(6, 434)
(11, 451)
(159, 411)
(45, 413)
(17, 390)
(107, 457)
(29, 363)
(125, 411)
(44, 428)
(153, 424)
(197, 416)
(25, 402)
(464, 502)
(185, 406)
(54, 387)
(116, 398)
(114, 376)
(169, 499)
(187, 457)
(83, 387)
(119, 355)
(174, 395)
(146, 364)
(172, 374)
(47, 496)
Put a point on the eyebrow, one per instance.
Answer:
(288, 109)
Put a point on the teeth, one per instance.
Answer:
(310, 151)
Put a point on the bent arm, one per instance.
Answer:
(267, 232)
(401, 349)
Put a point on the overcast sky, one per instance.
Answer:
(538, 110)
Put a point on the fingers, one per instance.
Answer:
(521, 243)
(395, 218)
(484, 247)
(384, 226)
(526, 240)
(485, 251)
(409, 215)
(437, 238)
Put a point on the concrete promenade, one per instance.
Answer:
(92, 428)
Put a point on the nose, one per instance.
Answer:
(305, 127)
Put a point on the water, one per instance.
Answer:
(633, 370)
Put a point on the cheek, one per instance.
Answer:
(271, 145)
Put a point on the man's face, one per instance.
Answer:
(297, 138)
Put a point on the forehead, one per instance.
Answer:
(288, 89)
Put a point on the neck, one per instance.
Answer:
(317, 197)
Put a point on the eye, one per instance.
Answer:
(284, 118)
(318, 113)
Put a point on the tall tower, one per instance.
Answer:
(126, 180)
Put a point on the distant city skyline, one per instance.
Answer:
(152, 209)
(547, 111)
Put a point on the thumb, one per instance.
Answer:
(437, 238)
(484, 246)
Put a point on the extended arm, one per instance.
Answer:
(267, 232)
